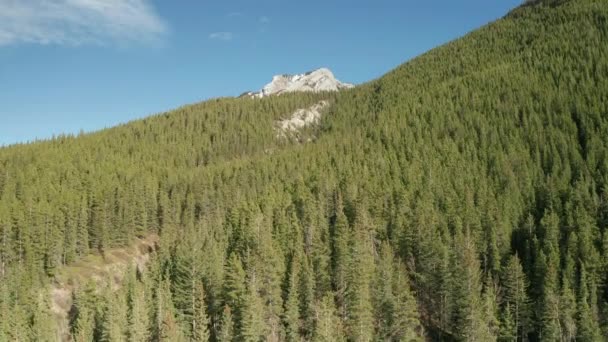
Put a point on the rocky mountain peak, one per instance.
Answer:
(318, 80)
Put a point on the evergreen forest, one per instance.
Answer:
(463, 196)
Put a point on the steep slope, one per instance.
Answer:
(463, 196)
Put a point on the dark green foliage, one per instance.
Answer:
(200, 320)
(462, 196)
(226, 331)
(328, 327)
(291, 317)
(396, 308)
(515, 301)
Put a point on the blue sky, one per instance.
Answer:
(71, 65)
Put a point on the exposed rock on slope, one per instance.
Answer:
(300, 119)
(319, 80)
(103, 271)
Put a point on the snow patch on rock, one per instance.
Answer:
(314, 81)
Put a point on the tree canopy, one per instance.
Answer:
(462, 196)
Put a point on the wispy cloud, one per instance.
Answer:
(264, 20)
(234, 14)
(77, 22)
(225, 36)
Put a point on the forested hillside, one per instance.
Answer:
(461, 197)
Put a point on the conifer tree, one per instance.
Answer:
(166, 327)
(82, 230)
(328, 326)
(306, 292)
(292, 302)
(550, 329)
(469, 320)
(340, 254)
(515, 285)
(226, 329)
(395, 306)
(43, 325)
(508, 328)
(83, 325)
(5, 313)
(567, 310)
(491, 324)
(269, 264)
(235, 290)
(137, 313)
(200, 321)
(186, 274)
(18, 327)
(83, 329)
(113, 318)
(588, 328)
(359, 298)
(252, 326)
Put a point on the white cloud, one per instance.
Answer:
(264, 20)
(77, 22)
(221, 36)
